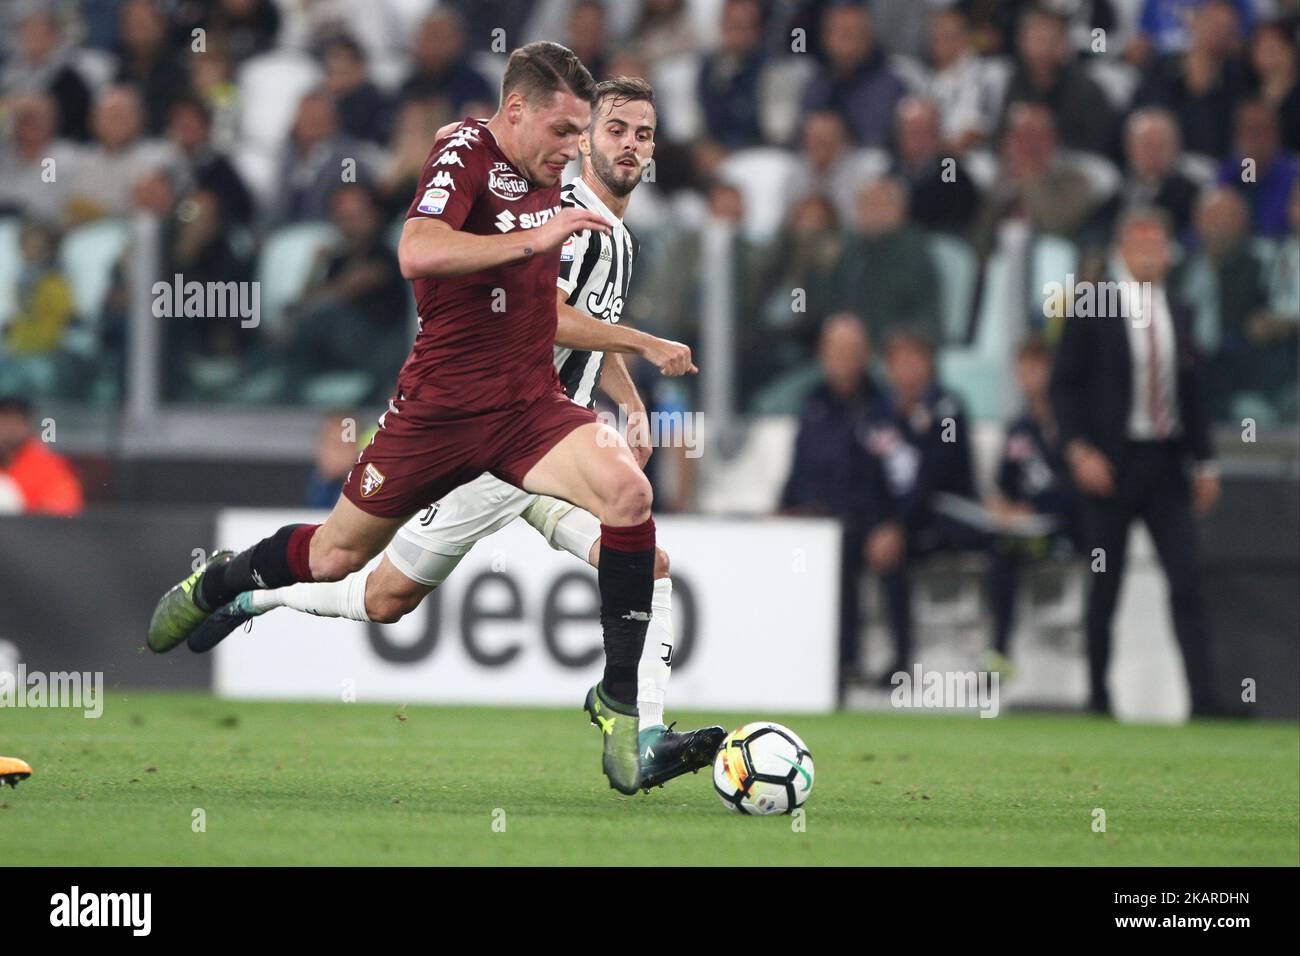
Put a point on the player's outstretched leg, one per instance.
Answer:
(382, 596)
(298, 552)
(178, 612)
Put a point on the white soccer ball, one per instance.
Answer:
(763, 768)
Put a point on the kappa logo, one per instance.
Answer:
(441, 178)
(505, 183)
(465, 136)
(372, 479)
(449, 158)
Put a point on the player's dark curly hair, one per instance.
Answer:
(623, 89)
(540, 70)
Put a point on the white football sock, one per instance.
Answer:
(346, 598)
(652, 670)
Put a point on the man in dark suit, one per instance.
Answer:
(1125, 392)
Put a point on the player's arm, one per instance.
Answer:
(616, 382)
(577, 330)
(432, 249)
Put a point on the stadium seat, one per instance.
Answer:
(997, 77)
(1118, 80)
(975, 379)
(10, 265)
(87, 256)
(784, 395)
(1051, 600)
(750, 481)
(1052, 260)
(675, 81)
(955, 261)
(780, 98)
(759, 174)
(96, 67)
(259, 168)
(1256, 407)
(1102, 175)
(914, 74)
(491, 66)
(706, 15)
(948, 604)
(285, 264)
(982, 167)
(978, 373)
(338, 389)
(1199, 168)
(275, 81)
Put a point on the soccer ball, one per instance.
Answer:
(763, 768)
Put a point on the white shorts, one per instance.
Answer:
(431, 544)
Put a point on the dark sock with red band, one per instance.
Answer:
(273, 562)
(626, 578)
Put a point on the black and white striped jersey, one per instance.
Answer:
(594, 270)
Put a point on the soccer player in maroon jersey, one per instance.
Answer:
(479, 391)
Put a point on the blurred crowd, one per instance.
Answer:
(840, 137)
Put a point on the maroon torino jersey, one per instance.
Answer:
(485, 339)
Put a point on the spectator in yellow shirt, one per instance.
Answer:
(45, 304)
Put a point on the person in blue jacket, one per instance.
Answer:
(919, 434)
(834, 473)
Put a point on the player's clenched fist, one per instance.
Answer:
(671, 358)
(563, 225)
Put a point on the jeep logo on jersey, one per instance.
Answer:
(606, 304)
(505, 183)
(529, 220)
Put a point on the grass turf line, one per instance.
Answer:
(339, 784)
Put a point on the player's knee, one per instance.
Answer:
(389, 608)
(661, 563)
(336, 564)
(628, 499)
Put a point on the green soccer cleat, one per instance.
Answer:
(222, 622)
(177, 614)
(666, 754)
(618, 726)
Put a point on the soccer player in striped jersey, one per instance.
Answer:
(595, 270)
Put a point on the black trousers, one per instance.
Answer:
(1152, 484)
(851, 567)
(937, 533)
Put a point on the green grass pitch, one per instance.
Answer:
(315, 783)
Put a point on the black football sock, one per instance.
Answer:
(273, 562)
(626, 578)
